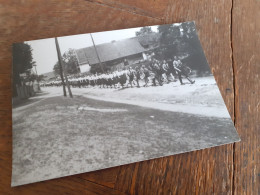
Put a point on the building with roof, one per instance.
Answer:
(114, 55)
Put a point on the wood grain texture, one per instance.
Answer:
(229, 169)
(246, 55)
(155, 9)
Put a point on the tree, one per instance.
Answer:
(33, 77)
(56, 68)
(144, 31)
(70, 62)
(22, 62)
(170, 34)
(182, 41)
(191, 44)
(169, 40)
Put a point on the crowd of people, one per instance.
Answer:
(154, 71)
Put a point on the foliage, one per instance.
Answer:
(144, 31)
(22, 60)
(56, 68)
(33, 77)
(97, 68)
(70, 63)
(182, 41)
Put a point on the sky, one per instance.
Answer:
(44, 50)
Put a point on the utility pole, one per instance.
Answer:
(38, 85)
(61, 72)
(62, 68)
(100, 64)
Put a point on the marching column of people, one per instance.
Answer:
(154, 71)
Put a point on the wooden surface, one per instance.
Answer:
(229, 32)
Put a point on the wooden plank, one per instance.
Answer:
(27, 20)
(68, 185)
(5, 92)
(207, 171)
(246, 47)
(203, 172)
(155, 9)
(105, 177)
(125, 177)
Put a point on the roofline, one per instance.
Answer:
(111, 42)
(116, 58)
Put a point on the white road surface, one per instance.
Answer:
(202, 98)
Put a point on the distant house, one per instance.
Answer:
(113, 55)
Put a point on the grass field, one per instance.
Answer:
(57, 136)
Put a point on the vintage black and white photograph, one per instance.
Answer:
(93, 101)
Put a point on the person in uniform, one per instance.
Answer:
(122, 78)
(137, 75)
(116, 78)
(146, 75)
(103, 80)
(161, 72)
(181, 69)
(157, 72)
(167, 71)
(131, 76)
